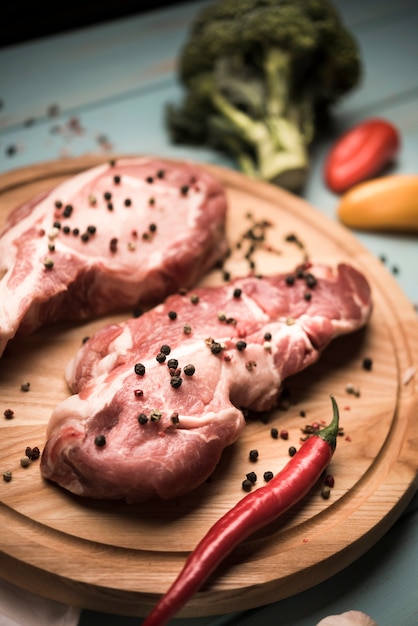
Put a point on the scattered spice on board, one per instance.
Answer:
(32, 453)
(7, 476)
(25, 386)
(9, 414)
(253, 239)
(253, 455)
(352, 390)
(325, 492)
(329, 480)
(367, 364)
(252, 477)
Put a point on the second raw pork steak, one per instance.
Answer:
(126, 232)
(157, 398)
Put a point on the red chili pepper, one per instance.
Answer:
(253, 512)
(361, 153)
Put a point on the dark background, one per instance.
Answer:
(24, 20)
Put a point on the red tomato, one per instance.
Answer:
(361, 153)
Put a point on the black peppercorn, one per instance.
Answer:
(310, 280)
(189, 369)
(176, 381)
(367, 364)
(216, 348)
(142, 419)
(253, 455)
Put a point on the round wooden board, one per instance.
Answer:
(118, 558)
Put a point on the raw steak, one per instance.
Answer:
(118, 234)
(157, 398)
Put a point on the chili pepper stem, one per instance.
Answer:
(254, 511)
(330, 432)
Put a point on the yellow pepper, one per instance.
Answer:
(389, 203)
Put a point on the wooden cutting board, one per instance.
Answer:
(118, 558)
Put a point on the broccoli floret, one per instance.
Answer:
(258, 76)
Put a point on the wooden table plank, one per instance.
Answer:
(87, 66)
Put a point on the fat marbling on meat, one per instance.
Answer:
(157, 398)
(128, 231)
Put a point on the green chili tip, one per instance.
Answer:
(330, 432)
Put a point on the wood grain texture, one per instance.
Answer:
(113, 557)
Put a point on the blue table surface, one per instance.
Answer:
(104, 88)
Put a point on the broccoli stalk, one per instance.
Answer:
(276, 140)
(256, 72)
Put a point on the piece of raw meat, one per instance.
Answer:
(126, 232)
(157, 398)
